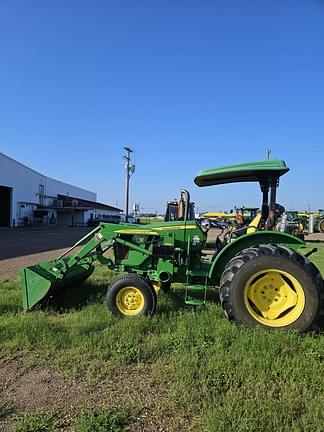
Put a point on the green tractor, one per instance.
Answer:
(291, 222)
(263, 281)
(175, 210)
(178, 210)
(319, 221)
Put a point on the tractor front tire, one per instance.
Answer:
(131, 296)
(271, 287)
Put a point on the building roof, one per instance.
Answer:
(40, 174)
(69, 201)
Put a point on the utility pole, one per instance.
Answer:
(268, 153)
(130, 169)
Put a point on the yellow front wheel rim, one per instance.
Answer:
(130, 301)
(274, 298)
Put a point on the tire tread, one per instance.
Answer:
(247, 255)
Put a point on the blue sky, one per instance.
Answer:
(188, 85)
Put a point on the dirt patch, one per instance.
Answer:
(38, 389)
(315, 237)
(10, 267)
(28, 389)
(136, 386)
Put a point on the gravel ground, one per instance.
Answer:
(23, 247)
(10, 267)
(31, 240)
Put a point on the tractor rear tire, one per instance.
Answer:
(130, 296)
(321, 226)
(271, 287)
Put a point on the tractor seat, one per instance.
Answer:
(249, 229)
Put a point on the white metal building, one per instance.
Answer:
(26, 196)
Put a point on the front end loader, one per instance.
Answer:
(262, 279)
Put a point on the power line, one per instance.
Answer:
(130, 169)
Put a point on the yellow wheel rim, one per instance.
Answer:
(274, 298)
(130, 301)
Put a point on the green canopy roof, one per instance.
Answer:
(261, 171)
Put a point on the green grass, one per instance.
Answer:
(183, 367)
(318, 257)
(101, 421)
(5, 409)
(39, 422)
(150, 220)
(93, 421)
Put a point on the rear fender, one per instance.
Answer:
(248, 240)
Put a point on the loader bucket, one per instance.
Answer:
(38, 284)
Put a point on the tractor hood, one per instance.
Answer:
(261, 171)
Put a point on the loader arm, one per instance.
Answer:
(39, 281)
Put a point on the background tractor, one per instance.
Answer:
(319, 221)
(240, 216)
(175, 210)
(297, 223)
(262, 279)
(293, 223)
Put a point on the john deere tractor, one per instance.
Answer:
(263, 281)
(319, 221)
